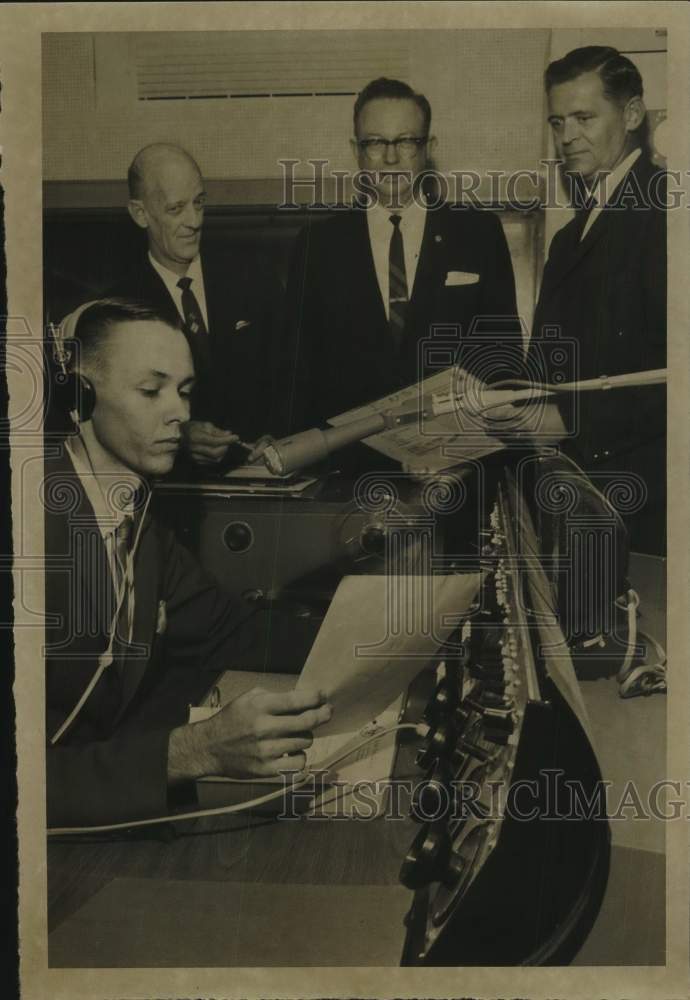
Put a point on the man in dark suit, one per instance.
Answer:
(604, 283)
(368, 287)
(229, 307)
(125, 602)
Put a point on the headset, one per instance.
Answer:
(76, 393)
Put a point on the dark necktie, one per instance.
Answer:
(581, 217)
(194, 321)
(582, 201)
(397, 284)
(190, 307)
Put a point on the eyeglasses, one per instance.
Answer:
(406, 147)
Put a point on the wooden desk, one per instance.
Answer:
(231, 855)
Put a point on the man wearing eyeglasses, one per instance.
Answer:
(369, 285)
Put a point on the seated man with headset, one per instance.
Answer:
(124, 601)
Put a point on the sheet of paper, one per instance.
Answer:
(326, 750)
(433, 442)
(378, 633)
(256, 470)
(370, 764)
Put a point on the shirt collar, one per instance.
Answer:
(412, 216)
(108, 512)
(605, 187)
(170, 278)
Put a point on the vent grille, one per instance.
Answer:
(180, 66)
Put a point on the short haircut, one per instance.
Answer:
(94, 324)
(384, 87)
(620, 77)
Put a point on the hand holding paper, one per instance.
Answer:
(378, 633)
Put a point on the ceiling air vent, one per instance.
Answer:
(186, 66)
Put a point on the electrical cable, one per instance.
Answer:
(645, 678)
(420, 728)
(106, 658)
(589, 485)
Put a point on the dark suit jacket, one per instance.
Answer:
(106, 768)
(607, 295)
(235, 383)
(341, 352)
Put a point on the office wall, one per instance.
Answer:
(484, 86)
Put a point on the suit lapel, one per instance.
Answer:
(357, 254)
(431, 268)
(82, 597)
(80, 538)
(574, 251)
(145, 610)
(76, 533)
(221, 306)
(154, 288)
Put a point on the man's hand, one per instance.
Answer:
(206, 443)
(257, 735)
(259, 447)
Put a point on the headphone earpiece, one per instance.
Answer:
(76, 395)
(84, 398)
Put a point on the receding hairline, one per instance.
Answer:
(149, 162)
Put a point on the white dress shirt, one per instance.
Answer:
(605, 187)
(109, 516)
(170, 280)
(412, 222)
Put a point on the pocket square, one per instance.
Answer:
(241, 323)
(461, 278)
(162, 619)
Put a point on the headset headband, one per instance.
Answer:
(65, 331)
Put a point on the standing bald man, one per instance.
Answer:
(228, 306)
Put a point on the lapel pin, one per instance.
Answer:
(438, 239)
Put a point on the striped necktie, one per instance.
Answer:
(122, 536)
(190, 307)
(397, 284)
(194, 322)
